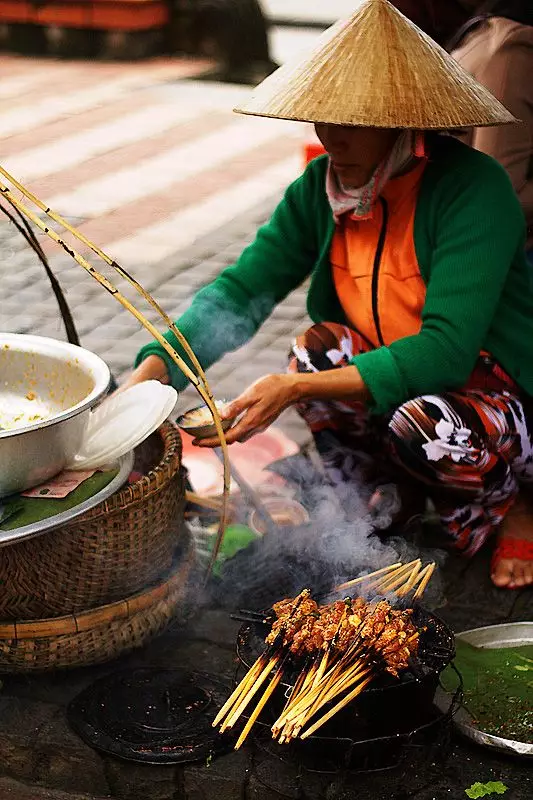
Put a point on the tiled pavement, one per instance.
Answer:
(310, 11)
(159, 173)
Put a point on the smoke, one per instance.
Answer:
(224, 328)
(345, 538)
(342, 542)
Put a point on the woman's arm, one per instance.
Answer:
(226, 314)
(153, 368)
(262, 403)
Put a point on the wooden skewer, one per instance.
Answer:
(363, 578)
(294, 693)
(355, 671)
(301, 707)
(408, 585)
(249, 695)
(399, 577)
(401, 570)
(322, 668)
(298, 699)
(331, 691)
(238, 691)
(261, 704)
(421, 575)
(342, 676)
(328, 692)
(421, 589)
(309, 692)
(301, 702)
(296, 688)
(348, 699)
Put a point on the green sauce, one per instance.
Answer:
(498, 688)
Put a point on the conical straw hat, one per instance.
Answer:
(379, 70)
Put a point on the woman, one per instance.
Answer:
(422, 347)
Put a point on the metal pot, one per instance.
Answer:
(47, 389)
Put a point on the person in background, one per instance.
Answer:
(493, 40)
(440, 19)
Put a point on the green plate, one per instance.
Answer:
(37, 515)
(501, 666)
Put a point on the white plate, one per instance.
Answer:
(123, 421)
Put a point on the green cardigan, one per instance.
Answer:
(469, 237)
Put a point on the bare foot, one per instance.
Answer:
(508, 571)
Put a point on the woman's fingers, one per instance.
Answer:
(244, 428)
(239, 405)
(255, 420)
(260, 405)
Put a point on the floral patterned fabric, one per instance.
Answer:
(470, 448)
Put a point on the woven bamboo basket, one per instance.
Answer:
(101, 634)
(112, 551)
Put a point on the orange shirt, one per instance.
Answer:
(375, 268)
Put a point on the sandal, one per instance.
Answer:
(511, 548)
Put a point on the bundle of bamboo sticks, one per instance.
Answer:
(397, 579)
(329, 676)
(198, 379)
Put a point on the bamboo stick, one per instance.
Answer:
(363, 578)
(248, 696)
(108, 260)
(411, 581)
(239, 690)
(299, 703)
(421, 589)
(328, 693)
(403, 569)
(203, 390)
(348, 699)
(421, 575)
(294, 692)
(310, 691)
(334, 685)
(261, 704)
(399, 577)
(322, 667)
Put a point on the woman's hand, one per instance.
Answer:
(152, 368)
(261, 404)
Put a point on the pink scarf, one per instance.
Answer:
(360, 202)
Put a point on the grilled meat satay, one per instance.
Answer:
(309, 628)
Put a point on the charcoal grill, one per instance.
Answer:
(390, 721)
(151, 715)
(163, 716)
